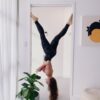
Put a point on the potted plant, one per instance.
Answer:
(29, 89)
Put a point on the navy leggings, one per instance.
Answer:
(50, 48)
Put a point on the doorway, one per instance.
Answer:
(53, 19)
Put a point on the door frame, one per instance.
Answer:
(67, 4)
(24, 36)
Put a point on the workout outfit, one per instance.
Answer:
(50, 48)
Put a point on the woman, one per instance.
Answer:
(51, 81)
(50, 51)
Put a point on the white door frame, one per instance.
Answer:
(24, 36)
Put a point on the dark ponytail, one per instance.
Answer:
(53, 89)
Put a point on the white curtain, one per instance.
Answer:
(8, 49)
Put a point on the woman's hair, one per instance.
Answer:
(53, 89)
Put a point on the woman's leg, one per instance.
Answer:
(55, 41)
(45, 44)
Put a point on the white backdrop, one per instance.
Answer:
(8, 49)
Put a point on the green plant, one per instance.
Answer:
(30, 89)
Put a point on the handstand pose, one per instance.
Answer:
(50, 51)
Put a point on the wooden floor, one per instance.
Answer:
(63, 85)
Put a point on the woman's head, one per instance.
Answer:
(52, 85)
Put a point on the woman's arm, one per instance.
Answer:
(41, 68)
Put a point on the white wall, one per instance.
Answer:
(86, 59)
(23, 38)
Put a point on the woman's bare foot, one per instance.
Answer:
(70, 19)
(33, 17)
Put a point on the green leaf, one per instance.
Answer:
(25, 92)
(32, 97)
(27, 74)
(40, 83)
(25, 85)
(38, 77)
(34, 76)
(35, 93)
(19, 95)
(28, 95)
(36, 88)
(29, 80)
(22, 79)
